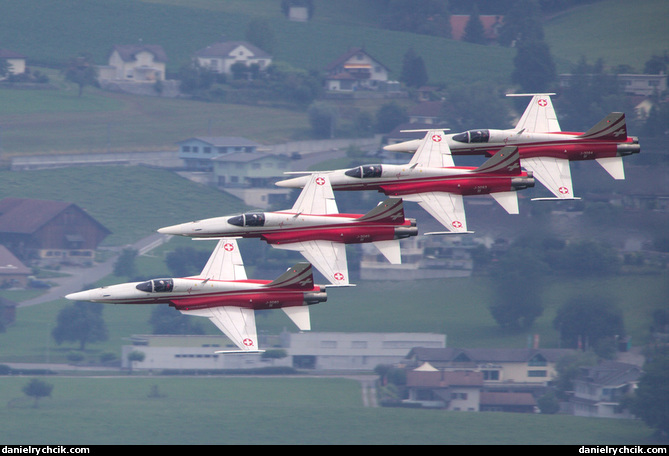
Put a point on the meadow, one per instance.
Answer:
(276, 411)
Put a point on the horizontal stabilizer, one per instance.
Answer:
(299, 316)
(614, 166)
(390, 250)
(508, 200)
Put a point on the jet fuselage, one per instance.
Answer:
(564, 145)
(285, 227)
(190, 293)
(398, 180)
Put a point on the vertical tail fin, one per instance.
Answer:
(612, 127)
(388, 211)
(506, 161)
(299, 277)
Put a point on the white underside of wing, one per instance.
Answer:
(238, 323)
(326, 256)
(553, 173)
(447, 208)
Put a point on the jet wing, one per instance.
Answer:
(539, 116)
(225, 262)
(238, 323)
(316, 197)
(433, 151)
(326, 256)
(447, 208)
(553, 173)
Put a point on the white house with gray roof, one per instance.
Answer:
(135, 62)
(198, 152)
(220, 57)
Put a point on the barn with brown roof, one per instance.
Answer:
(49, 232)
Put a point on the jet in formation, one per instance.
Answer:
(433, 181)
(223, 293)
(315, 228)
(544, 148)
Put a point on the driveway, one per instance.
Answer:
(79, 277)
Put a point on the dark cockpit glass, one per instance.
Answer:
(145, 286)
(237, 220)
(461, 137)
(371, 171)
(473, 136)
(365, 171)
(254, 219)
(354, 172)
(249, 219)
(156, 286)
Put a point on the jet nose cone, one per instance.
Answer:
(177, 230)
(87, 295)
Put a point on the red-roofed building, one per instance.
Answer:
(452, 390)
(49, 231)
(355, 70)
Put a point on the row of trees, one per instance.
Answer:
(521, 275)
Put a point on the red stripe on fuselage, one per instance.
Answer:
(582, 149)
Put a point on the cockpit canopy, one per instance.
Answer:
(365, 171)
(248, 219)
(473, 136)
(156, 286)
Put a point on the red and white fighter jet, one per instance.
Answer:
(223, 294)
(315, 228)
(544, 148)
(434, 182)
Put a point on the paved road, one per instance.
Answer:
(79, 277)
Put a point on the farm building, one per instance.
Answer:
(49, 232)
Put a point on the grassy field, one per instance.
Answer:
(616, 31)
(262, 411)
(42, 122)
(132, 202)
(57, 120)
